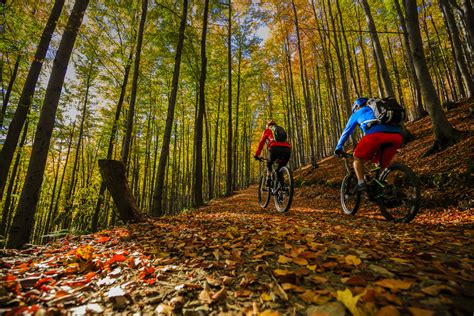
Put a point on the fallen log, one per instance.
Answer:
(113, 174)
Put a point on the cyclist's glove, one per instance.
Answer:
(256, 157)
(339, 152)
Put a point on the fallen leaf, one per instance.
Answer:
(395, 284)
(300, 261)
(388, 310)
(350, 301)
(219, 295)
(352, 260)
(283, 259)
(242, 293)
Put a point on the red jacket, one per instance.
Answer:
(269, 139)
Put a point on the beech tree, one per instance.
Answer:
(23, 220)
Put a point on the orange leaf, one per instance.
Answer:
(102, 239)
(395, 284)
(300, 261)
(115, 258)
(283, 259)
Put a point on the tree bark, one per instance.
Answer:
(229, 104)
(378, 49)
(307, 102)
(198, 130)
(25, 214)
(444, 133)
(16, 125)
(9, 89)
(457, 47)
(419, 110)
(157, 208)
(114, 177)
(133, 93)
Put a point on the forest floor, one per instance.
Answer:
(232, 257)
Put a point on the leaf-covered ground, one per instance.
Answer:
(233, 257)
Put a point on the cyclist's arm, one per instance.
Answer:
(262, 142)
(348, 130)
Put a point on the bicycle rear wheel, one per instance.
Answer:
(350, 200)
(400, 199)
(263, 192)
(284, 190)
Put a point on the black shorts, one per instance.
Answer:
(283, 154)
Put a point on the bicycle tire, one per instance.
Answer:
(288, 189)
(263, 196)
(348, 183)
(388, 203)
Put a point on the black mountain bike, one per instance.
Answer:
(396, 190)
(282, 188)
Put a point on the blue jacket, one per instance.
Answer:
(360, 117)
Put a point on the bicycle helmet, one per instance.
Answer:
(270, 123)
(359, 102)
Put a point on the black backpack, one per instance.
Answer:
(387, 111)
(279, 133)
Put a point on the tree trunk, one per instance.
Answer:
(157, 209)
(307, 103)
(419, 111)
(8, 198)
(9, 90)
(113, 174)
(25, 214)
(444, 133)
(229, 104)
(133, 93)
(457, 47)
(198, 129)
(378, 49)
(16, 125)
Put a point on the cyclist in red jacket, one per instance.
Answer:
(278, 148)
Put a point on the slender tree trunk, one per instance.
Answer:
(25, 214)
(133, 93)
(157, 209)
(198, 129)
(444, 133)
(16, 125)
(8, 198)
(307, 102)
(229, 104)
(457, 47)
(69, 199)
(419, 111)
(9, 89)
(378, 49)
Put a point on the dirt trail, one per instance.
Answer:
(233, 257)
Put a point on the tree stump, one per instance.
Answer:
(113, 174)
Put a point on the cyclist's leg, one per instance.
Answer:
(270, 160)
(389, 151)
(283, 158)
(364, 151)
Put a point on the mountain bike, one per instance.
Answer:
(282, 187)
(396, 190)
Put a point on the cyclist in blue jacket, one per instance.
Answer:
(375, 135)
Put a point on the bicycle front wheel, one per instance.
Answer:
(400, 199)
(350, 200)
(263, 193)
(284, 190)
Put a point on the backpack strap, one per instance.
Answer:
(371, 122)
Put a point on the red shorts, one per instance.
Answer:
(369, 147)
